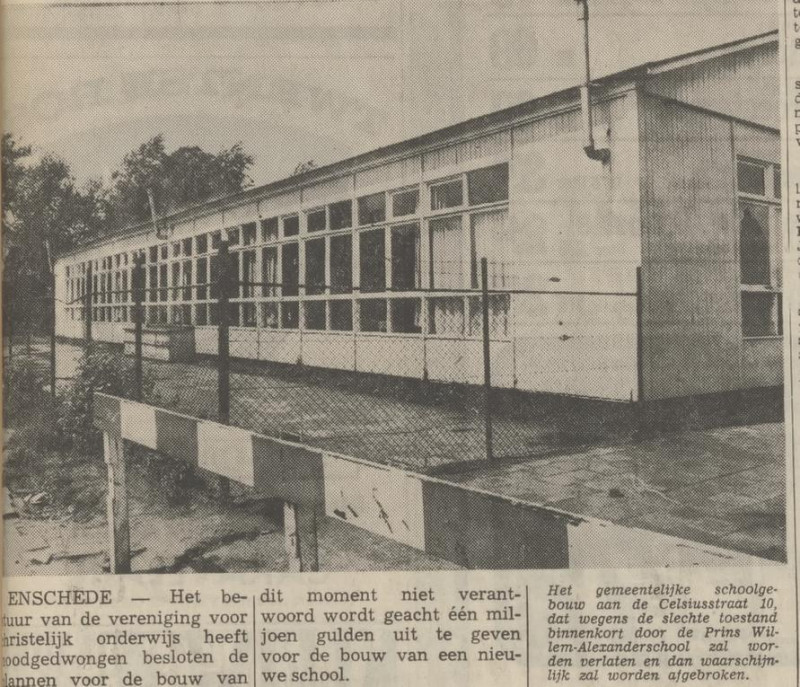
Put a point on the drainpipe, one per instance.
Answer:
(592, 151)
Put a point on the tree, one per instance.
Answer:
(184, 177)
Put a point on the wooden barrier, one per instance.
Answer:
(470, 527)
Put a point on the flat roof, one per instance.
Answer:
(496, 118)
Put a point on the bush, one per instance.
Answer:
(100, 369)
(23, 391)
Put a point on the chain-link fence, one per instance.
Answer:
(421, 378)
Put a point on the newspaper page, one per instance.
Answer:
(400, 342)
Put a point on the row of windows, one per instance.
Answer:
(448, 316)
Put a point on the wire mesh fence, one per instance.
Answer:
(418, 377)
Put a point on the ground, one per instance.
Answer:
(721, 485)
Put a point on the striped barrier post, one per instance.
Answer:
(470, 527)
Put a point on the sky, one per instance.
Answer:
(315, 80)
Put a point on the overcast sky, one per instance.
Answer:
(316, 80)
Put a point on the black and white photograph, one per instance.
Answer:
(392, 286)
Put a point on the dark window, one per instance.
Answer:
(176, 249)
(290, 315)
(269, 271)
(342, 264)
(315, 266)
(341, 214)
(372, 261)
(314, 314)
(447, 194)
(341, 316)
(201, 314)
(176, 281)
(233, 236)
(162, 278)
(315, 220)
(488, 185)
(406, 316)
(269, 229)
(202, 278)
(164, 251)
(751, 178)
(761, 314)
(754, 243)
(405, 257)
(248, 314)
(373, 315)
(405, 202)
(372, 209)
(202, 243)
(187, 247)
(777, 181)
(290, 268)
(248, 273)
(216, 237)
(187, 280)
(291, 225)
(249, 234)
(153, 284)
(269, 315)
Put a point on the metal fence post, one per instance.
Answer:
(223, 348)
(137, 285)
(53, 335)
(487, 365)
(87, 306)
(119, 533)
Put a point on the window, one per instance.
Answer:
(269, 229)
(447, 194)
(291, 225)
(202, 278)
(269, 271)
(290, 269)
(751, 178)
(491, 239)
(405, 202)
(315, 266)
(162, 279)
(341, 316)
(187, 280)
(176, 281)
(406, 315)
(342, 264)
(187, 247)
(759, 247)
(447, 271)
(488, 185)
(153, 280)
(216, 238)
(248, 275)
(372, 261)
(176, 249)
(446, 316)
(249, 234)
(316, 220)
(248, 314)
(499, 306)
(290, 315)
(405, 257)
(269, 315)
(164, 252)
(202, 243)
(233, 236)
(372, 209)
(314, 314)
(341, 215)
(373, 315)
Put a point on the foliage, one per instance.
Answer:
(183, 177)
(303, 167)
(100, 369)
(23, 392)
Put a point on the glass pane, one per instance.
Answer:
(405, 257)
(248, 273)
(373, 261)
(777, 182)
(248, 314)
(492, 240)
(751, 178)
(759, 314)
(269, 229)
(373, 316)
(202, 243)
(498, 316)
(315, 220)
(291, 225)
(290, 315)
(449, 194)
(406, 316)
(233, 236)
(405, 202)
(341, 264)
(489, 185)
(269, 315)
(290, 267)
(372, 209)
(754, 243)
(315, 266)
(187, 247)
(314, 314)
(446, 316)
(341, 316)
(249, 234)
(341, 214)
(447, 270)
(269, 271)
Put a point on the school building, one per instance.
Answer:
(372, 263)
